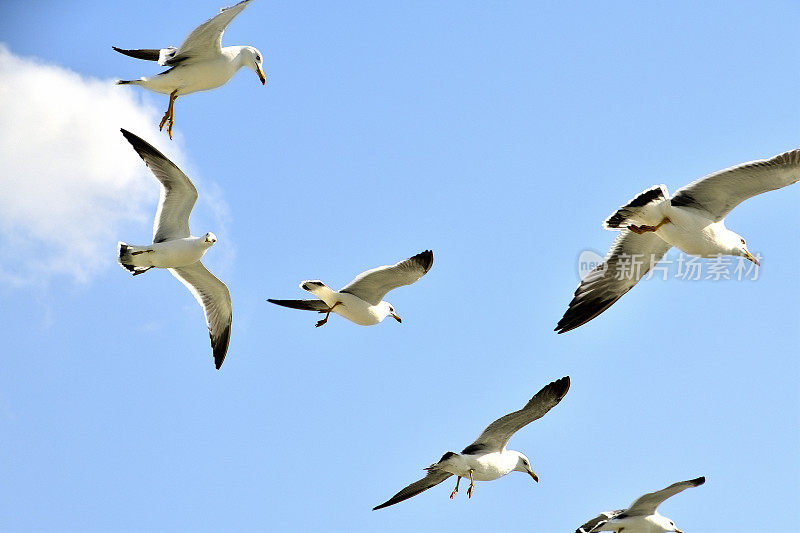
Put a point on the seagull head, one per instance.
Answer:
(253, 60)
(665, 523)
(210, 239)
(739, 247)
(524, 465)
(386, 309)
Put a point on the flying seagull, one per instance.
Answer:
(199, 64)
(641, 516)
(487, 458)
(175, 249)
(361, 300)
(692, 220)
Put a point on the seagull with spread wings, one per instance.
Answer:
(487, 458)
(692, 220)
(641, 516)
(199, 64)
(361, 300)
(175, 249)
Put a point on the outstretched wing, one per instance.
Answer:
(178, 194)
(372, 285)
(595, 523)
(433, 478)
(305, 305)
(206, 40)
(647, 504)
(150, 54)
(718, 193)
(213, 295)
(630, 258)
(496, 436)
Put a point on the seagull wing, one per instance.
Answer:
(205, 41)
(592, 525)
(178, 195)
(433, 478)
(148, 54)
(718, 193)
(372, 285)
(305, 305)
(496, 436)
(213, 295)
(630, 258)
(647, 504)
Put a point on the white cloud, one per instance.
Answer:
(68, 180)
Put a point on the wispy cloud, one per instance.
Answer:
(68, 181)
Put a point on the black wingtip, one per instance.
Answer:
(141, 146)
(561, 386)
(698, 481)
(423, 259)
(221, 346)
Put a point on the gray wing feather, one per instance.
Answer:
(148, 54)
(592, 525)
(496, 435)
(718, 193)
(433, 478)
(372, 285)
(630, 258)
(305, 305)
(205, 41)
(647, 504)
(178, 194)
(214, 297)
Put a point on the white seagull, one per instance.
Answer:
(641, 516)
(175, 249)
(199, 64)
(692, 220)
(361, 300)
(487, 458)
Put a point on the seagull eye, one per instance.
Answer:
(743, 241)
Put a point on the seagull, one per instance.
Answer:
(199, 64)
(641, 516)
(361, 300)
(487, 458)
(693, 219)
(175, 249)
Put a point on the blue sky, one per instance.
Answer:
(499, 135)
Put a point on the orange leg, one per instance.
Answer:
(455, 490)
(327, 314)
(643, 229)
(170, 114)
(471, 485)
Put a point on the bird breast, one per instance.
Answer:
(692, 232)
(485, 467)
(356, 310)
(177, 252)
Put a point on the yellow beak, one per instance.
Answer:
(749, 256)
(678, 530)
(534, 476)
(397, 318)
(261, 75)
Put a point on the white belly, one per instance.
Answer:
(171, 254)
(192, 78)
(691, 232)
(485, 467)
(356, 310)
(635, 524)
